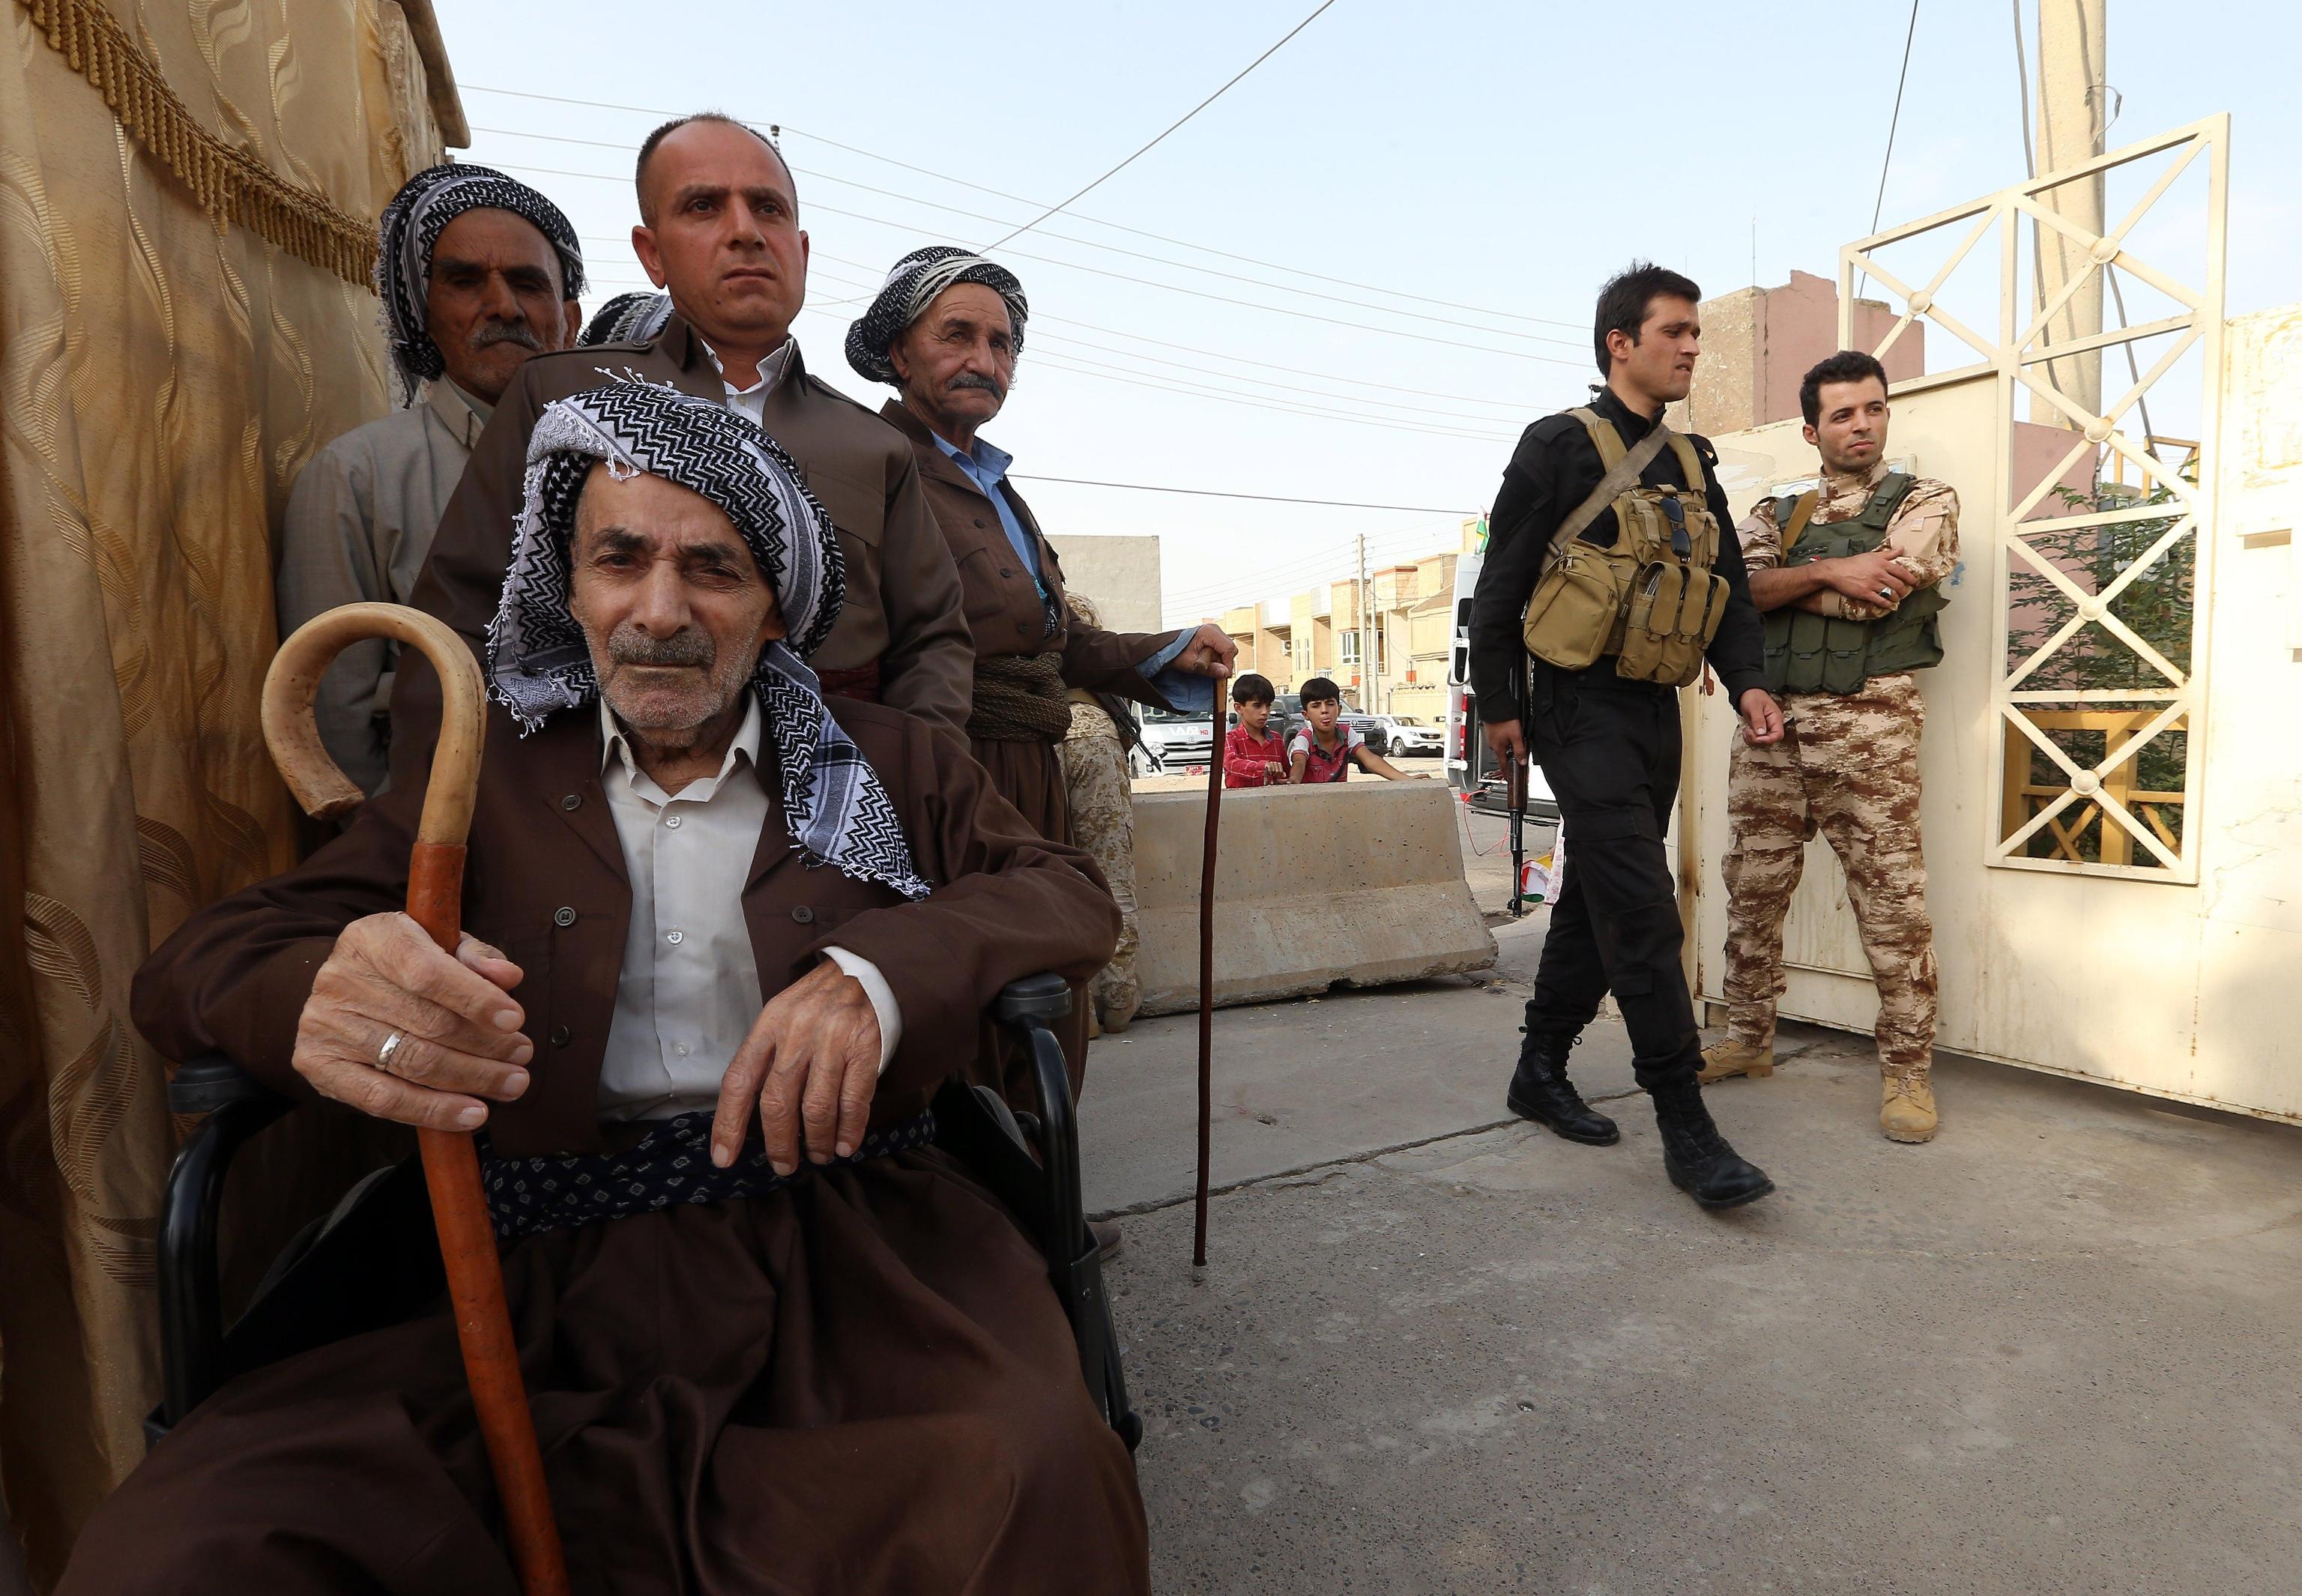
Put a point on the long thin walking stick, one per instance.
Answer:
(1207, 976)
(435, 902)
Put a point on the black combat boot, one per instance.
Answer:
(1695, 1157)
(1540, 1091)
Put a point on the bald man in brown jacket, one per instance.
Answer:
(719, 229)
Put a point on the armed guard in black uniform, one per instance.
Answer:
(1612, 576)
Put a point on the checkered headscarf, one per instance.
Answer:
(411, 225)
(910, 288)
(538, 662)
(627, 318)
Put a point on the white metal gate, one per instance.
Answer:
(2098, 711)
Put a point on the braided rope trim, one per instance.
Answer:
(230, 184)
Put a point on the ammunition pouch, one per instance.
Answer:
(1806, 652)
(1649, 599)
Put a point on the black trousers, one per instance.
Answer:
(1609, 750)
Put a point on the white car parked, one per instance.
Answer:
(1404, 734)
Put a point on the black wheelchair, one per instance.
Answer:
(373, 1261)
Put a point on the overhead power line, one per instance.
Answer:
(945, 177)
(1878, 206)
(1340, 504)
(1043, 336)
(1171, 288)
(1516, 407)
(1202, 390)
(1316, 13)
(1346, 407)
(1398, 419)
(1283, 288)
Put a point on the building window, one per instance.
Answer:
(1350, 647)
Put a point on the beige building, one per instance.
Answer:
(1317, 632)
(1118, 575)
(1759, 342)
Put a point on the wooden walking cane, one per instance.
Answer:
(1207, 976)
(435, 893)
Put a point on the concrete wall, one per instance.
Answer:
(1119, 574)
(1360, 883)
(2181, 990)
(1758, 344)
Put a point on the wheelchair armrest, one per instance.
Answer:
(237, 1106)
(1028, 1008)
(206, 1083)
(1045, 996)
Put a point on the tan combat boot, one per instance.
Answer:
(1908, 1114)
(1730, 1057)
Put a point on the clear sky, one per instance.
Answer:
(1497, 160)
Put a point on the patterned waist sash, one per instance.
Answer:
(1020, 698)
(863, 682)
(669, 1165)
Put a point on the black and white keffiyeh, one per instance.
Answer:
(910, 288)
(538, 663)
(410, 227)
(627, 318)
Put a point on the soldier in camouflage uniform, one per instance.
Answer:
(1102, 801)
(1846, 578)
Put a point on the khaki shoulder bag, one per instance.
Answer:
(1649, 599)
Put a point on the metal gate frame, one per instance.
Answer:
(2012, 356)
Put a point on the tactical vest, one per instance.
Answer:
(1807, 652)
(1649, 600)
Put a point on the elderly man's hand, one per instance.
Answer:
(811, 1060)
(460, 1038)
(1210, 652)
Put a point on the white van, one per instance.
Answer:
(1470, 767)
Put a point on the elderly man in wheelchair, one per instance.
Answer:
(723, 993)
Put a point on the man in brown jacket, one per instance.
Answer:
(719, 228)
(946, 330)
(808, 1353)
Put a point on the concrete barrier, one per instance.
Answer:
(1360, 882)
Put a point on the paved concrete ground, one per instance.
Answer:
(2051, 1352)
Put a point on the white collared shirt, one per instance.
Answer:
(752, 401)
(689, 991)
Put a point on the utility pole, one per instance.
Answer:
(2074, 116)
(1366, 660)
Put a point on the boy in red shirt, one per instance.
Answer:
(1252, 756)
(1324, 752)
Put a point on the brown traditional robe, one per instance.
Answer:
(1006, 615)
(859, 1382)
(903, 615)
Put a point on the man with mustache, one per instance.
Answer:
(719, 230)
(724, 941)
(1612, 577)
(476, 273)
(1848, 577)
(946, 330)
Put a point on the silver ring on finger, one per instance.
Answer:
(383, 1055)
(1885, 593)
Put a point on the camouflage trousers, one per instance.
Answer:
(1101, 802)
(1848, 767)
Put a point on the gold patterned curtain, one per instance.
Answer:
(168, 360)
